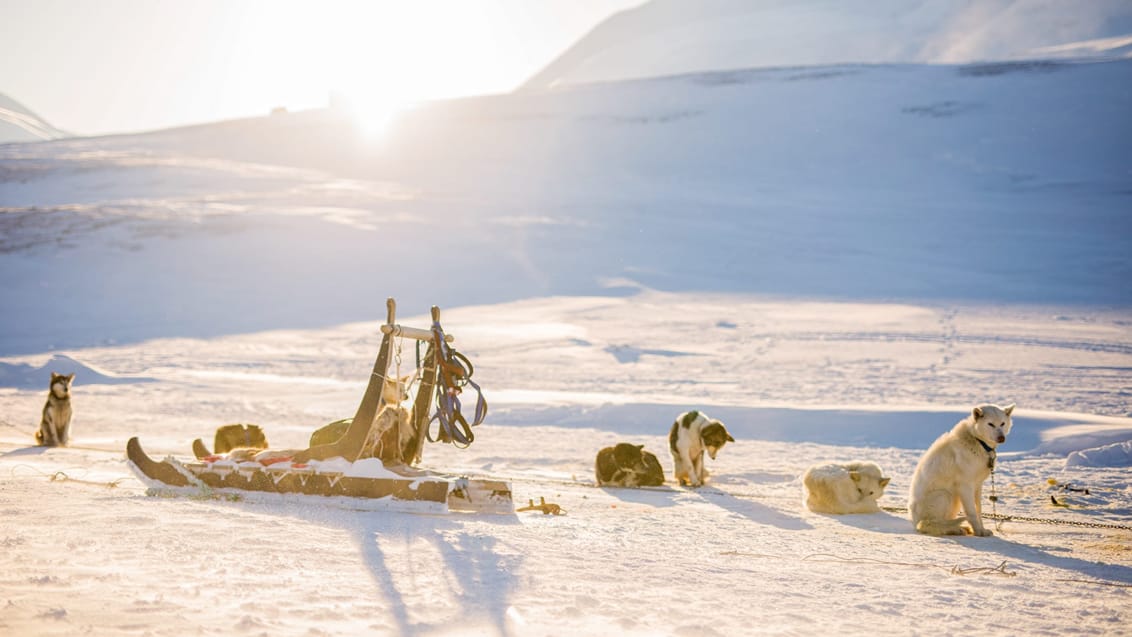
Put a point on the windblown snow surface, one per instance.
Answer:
(838, 262)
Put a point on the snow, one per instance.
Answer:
(18, 124)
(81, 555)
(837, 262)
(670, 37)
(1118, 454)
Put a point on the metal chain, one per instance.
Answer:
(994, 504)
(1019, 518)
(1052, 521)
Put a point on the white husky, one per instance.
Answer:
(951, 473)
(843, 488)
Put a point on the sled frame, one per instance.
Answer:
(440, 491)
(352, 442)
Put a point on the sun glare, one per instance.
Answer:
(374, 121)
(370, 58)
(372, 113)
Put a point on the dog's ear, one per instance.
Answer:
(856, 475)
(977, 412)
(726, 434)
(1009, 408)
(884, 482)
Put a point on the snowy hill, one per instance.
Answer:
(1004, 183)
(669, 37)
(18, 124)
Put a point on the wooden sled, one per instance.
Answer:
(305, 474)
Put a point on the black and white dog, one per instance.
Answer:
(691, 435)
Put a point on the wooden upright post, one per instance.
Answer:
(422, 405)
(350, 445)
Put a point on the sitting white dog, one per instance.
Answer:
(843, 488)
(951, 473)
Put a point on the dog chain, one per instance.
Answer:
(994, 500)
(1019, 518)
(1055, 522)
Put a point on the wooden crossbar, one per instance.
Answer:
(412, 332)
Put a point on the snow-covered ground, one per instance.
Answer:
(837, 262)
(797, 383)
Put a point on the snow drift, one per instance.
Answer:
(1118, 454)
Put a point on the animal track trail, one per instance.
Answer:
(948, 350)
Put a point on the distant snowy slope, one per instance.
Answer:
(990, 183)
(667, 37)
(18, 124)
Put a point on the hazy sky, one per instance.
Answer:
(102, 66)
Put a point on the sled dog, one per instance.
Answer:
(691, 435)
(950, 475)
(393, 392)
(396, 390)
(392, 417)
(229, 437)
(55, 425)
(843, 488)
(626, 465)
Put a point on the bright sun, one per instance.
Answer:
(373, 112)
(373, 58)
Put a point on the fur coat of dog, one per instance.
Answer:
(949, 477)
(55, 424)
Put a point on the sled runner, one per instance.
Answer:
(361, 463)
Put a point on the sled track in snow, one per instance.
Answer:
(969, 339)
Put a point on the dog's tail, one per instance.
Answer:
(941, 527)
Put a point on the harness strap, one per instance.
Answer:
(453, 372)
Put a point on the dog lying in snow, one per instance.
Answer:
(55, 425)
(691, 435)
(237, 442)
(626, 465)
(843, 488)
(229, 437)
(950, 475)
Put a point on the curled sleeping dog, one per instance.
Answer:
(626, 465)
(854, 487)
